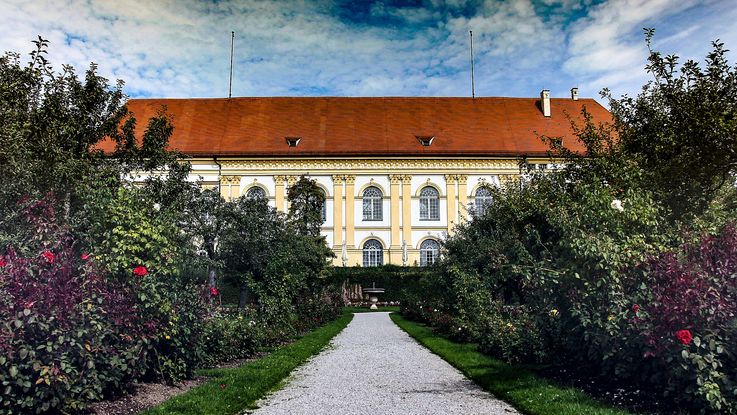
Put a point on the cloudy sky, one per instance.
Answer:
(181, 48)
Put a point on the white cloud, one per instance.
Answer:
(606, 49)
(181, 48)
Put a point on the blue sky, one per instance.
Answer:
(180, 48)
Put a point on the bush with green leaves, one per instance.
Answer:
(68, 334)
(620, 264)
(134, 241)
(230, 335)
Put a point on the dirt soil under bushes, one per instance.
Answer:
(143, 396)
(148, 395)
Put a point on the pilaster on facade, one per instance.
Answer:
(462, 197)
(350, 216)
(338, 180)
(451, 202)
(394, 181)
(407, 209)
(227, 185)
(279, 184)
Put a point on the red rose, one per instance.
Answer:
(684, 336)
(636, 308)
(3, 262)
(140, 271)
(85, 256)
(50, 257)
(214, 291)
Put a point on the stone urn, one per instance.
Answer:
(372, 293)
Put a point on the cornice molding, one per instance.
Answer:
(379, 164)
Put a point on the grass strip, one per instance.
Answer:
(529, 393)
(233, 390)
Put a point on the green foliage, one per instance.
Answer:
(232, 335)
(67, 334)
(306, 202)
(129, 232)
(396, 280)
(134, 306)
(682, 129)
(515, 384)
(231, 391)
(51, 126)
(599, 265)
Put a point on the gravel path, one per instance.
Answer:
(373, 367)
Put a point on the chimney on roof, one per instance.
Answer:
(574, 94)
(545, 102)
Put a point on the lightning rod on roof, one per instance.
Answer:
(473, 87)
(230, 82)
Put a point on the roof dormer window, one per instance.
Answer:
(425, 140)
(293, 141)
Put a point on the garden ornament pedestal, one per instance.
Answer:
(372, 293)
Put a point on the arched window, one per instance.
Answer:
(429, 252)
(482, 199)
(373, 253)
(256, 193)
(372, 204)
(324, 206)
(429, 204)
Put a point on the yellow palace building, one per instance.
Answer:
(398, 173)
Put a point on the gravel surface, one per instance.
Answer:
(373, 367)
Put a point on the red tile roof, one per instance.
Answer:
(335, 127)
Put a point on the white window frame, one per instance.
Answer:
(481, 201)
(373, 253)
(255, 189)
(373, 201)
(429, 204)
(429, 252)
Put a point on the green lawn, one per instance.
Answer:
(231, 391)
(526, 391)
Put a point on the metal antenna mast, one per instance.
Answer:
(230, 83)
(473, 86)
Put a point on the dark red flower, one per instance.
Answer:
(684, 336)
(214, 291)
(636, 308)
(3, 262)
(85, 256)
(222, 386)
(50, 257)
(140, 271)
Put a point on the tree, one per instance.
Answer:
(682, 129)
(254, 234)
(201, 215)
(306, 202)
(51, 127)
(206, 223)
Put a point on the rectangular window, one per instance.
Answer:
(372, 210)
(429, 209)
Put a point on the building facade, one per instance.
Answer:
(398, 173)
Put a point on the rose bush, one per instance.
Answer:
(68, 335)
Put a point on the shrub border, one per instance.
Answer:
(520, 387)
(233, 390)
